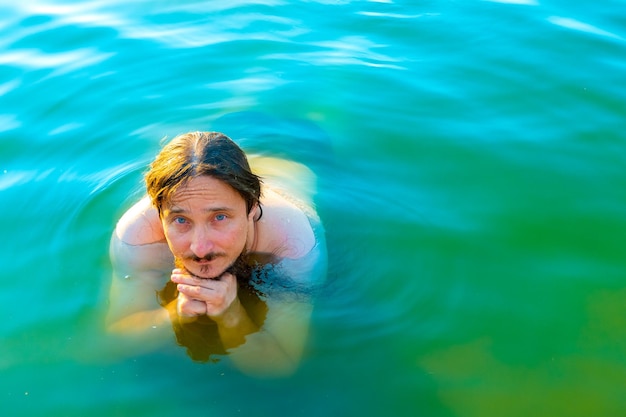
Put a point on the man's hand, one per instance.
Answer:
(198, 297)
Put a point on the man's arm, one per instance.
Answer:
(277, 348)
(138, 274)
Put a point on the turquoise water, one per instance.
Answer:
(471, 161)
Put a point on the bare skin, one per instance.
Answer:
(205, 228)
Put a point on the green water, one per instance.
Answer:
(471, 162)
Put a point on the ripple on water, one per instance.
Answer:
(580, 26)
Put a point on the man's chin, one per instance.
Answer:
(207, 273)
(198, 272)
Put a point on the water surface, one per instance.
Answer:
(470, 158)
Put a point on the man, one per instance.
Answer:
(209, 227)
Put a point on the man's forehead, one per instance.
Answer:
(205, 189)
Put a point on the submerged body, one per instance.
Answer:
(201, 239)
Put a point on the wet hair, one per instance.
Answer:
(196, 154)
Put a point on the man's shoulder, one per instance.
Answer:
(292, 177)
(140, 225)
(285, 227)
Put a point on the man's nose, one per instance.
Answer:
(202, 242)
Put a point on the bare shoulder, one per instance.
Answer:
(138, 244)
(288, 189)
(284, 229)
(140, 225)
(287, 176)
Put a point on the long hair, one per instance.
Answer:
(195, 154)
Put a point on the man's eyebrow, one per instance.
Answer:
(175, 210)
(214, 209)
(180, 210)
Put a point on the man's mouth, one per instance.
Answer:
(205, 259)
(201, 267)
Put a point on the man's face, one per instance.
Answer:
(206, 226)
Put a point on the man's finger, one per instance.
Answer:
(188, 307)
(195, 291)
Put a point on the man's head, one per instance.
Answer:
(195, 154)
(204, 191)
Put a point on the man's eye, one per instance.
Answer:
(179, 220)
(220, 217)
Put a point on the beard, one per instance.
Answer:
(239, 267)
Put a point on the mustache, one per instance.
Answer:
(239, 267)
(207, 257)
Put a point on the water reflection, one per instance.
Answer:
(201, 337)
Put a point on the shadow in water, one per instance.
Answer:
(201, 337)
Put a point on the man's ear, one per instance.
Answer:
(255, 212)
